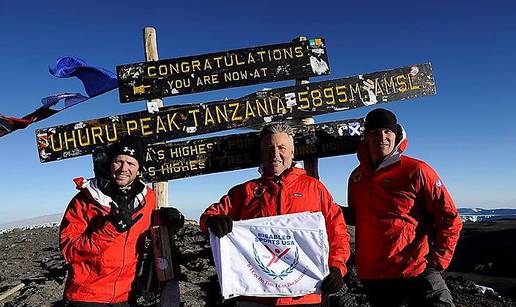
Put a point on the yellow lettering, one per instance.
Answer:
(401, 81)
(81, 137)
(194, 112)
(145, 126)
(185, 67)
(114, 136)
(249, 110)
(355, 90)
(96, 132)
(341, 91)
(196, 64)
(218, 59)
(161, 154)
(262, 107)
(208, 117)
(223, 114)
(162, 69)
(299, 52)
(55, 148)
(250, 59)
(280, 107)
(303, 98)
(288, 53)
(207, 64)
(172, 120)
(234, 113)
(130, 125)
(160, 125)
(153, 73)
(237, 62)
(261, 53)
(389, 84)
(412, 86)
(328, 94)
(377, 88)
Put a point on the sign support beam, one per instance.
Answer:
(310, 165)
(160, 234)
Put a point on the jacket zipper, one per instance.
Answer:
(278, 206)
(122, 268)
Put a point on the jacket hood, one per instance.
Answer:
(90, 188)
(395, 156)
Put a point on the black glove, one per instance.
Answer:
(333, 282)
(122, 221)
(220, 224)
(172, 217)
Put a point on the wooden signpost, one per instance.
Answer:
(233, 68)
(174, 160)
(299, 101)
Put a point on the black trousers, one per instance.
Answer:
(426, 290)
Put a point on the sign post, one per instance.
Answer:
(310, 165)
(160, 235)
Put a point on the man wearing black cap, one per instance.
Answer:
(103, 229)
(407, 225)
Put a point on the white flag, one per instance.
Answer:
(277, 256)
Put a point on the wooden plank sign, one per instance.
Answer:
(233, 68)
(173, 160)
(298, 101)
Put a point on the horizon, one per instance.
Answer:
(465, 131)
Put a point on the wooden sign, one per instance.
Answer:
(298, 101)
(167, 161)
(233, 68)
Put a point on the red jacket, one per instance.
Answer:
(400, 208)
(296, 192)
(101, 261)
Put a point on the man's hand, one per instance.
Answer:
(333, 282)
(172, 218)
(220, 224)
(122, 221)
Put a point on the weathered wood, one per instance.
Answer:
(311, 165)
(219, 70)
(299, 101)
(159, 233)
(11, 291)
(174, 160)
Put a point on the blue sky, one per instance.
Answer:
(466, 132)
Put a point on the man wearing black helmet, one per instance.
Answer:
(406, 222)
(104, 226)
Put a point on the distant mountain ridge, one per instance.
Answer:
(40, 221)
(467, 215)
(486, 215)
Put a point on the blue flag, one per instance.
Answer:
(96, 80)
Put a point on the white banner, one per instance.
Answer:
(284, 255)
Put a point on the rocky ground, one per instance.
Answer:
(32, 258)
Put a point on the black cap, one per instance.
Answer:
(129, 145)
(381, 118)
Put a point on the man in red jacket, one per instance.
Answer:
(103, 230)
(283, 189)
(407, 225)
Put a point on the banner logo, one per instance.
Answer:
(276, 255)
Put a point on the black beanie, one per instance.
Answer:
(381, 118)
(129, 145)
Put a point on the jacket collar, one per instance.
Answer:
(90, 188)
(289, 175)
